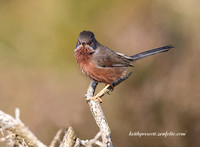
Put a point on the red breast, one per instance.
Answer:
(108, 75)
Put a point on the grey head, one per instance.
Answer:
(87, 38)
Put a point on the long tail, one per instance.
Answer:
(151, 52)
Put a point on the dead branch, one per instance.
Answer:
(89, 143)
(58, 138)
(20, 136)
(99, 116)
(97, 111)
(18, 131)
(69, 138)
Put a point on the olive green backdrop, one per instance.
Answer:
(39, 75)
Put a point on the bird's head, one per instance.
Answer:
(87, 39)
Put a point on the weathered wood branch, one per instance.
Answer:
(99, 116)
(89, 143)
(20, 136)
(65, 138)
(69, 138)
(97, 111)
(58, 138)
(20, 132)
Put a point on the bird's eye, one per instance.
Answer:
(79, 43)
(91, 43)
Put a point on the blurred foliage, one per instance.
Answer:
(38, 72)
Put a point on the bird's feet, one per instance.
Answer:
(101, 93)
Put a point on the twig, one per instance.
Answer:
(99, 116)
(22, 134)
(89, 143)
(58, 138)
(97, 111)
(69, 139)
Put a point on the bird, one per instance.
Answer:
(104, 65)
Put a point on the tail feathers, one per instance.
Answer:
(151, 52)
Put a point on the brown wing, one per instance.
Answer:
(105, 57)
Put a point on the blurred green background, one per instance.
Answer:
(39, 74)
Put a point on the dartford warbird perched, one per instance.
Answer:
(102, 64)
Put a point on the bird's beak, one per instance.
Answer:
(83, 43)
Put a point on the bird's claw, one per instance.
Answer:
(95, 97)
(101, 93)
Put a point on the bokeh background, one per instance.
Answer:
(39, 75)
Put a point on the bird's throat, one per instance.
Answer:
(83, 55)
